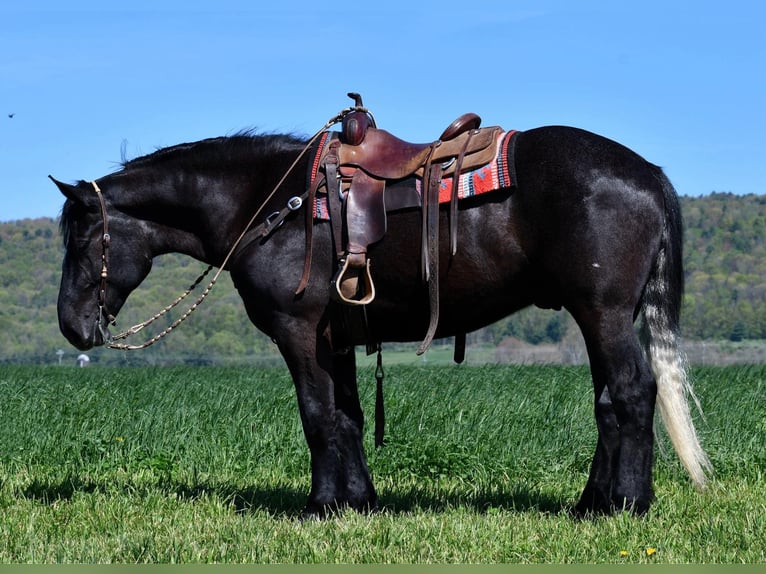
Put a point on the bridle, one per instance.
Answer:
(106, 240)
(105, 318)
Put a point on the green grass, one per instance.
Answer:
(481, 466)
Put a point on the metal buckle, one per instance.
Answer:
(294, 203)
(270, 218)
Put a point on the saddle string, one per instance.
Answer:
(138, 327)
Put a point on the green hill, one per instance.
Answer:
(725, 258)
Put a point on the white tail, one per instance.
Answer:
(659, 334)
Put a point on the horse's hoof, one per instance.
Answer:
(317, 513)
(592, 504)
(307, 515)
(637, 507)
(592, 509)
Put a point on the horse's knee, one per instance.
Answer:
(606, 419)
(633, 400)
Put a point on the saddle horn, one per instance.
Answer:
(357, 99)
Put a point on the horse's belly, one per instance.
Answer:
(467, 301)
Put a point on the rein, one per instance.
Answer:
(103, 312)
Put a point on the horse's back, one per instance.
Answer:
(574, 166)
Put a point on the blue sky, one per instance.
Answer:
(680, 82)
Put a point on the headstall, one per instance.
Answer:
(106, 239)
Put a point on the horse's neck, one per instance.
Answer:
(202, 213)
(186, 215)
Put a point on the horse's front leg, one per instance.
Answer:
(332, 419)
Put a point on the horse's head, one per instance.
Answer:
(107, 256)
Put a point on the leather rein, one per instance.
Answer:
(272, 222)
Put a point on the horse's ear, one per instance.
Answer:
(72, 192)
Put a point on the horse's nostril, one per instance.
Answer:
(76, 328)
(79, 339)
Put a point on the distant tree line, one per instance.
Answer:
(725, 267)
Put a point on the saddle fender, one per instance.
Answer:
(365, 225)
(365, 213)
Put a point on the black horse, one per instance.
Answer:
(588, 226)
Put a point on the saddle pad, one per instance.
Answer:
(497, 174)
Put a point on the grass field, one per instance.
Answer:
(481, 466)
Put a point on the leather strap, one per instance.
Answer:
(459, 354)
(106, 241)
(431, 252)
(453, 199)
(309, 214)
(333, 195)
(432, 222)
(380, 412)
(426, 199)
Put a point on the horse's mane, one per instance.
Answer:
(212, 151)
(241, 148)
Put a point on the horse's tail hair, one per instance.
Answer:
(661, 309)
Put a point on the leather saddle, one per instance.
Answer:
(359, 161)
(385, 156)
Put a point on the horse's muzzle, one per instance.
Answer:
(84, 334)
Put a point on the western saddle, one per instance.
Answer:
(358, 161)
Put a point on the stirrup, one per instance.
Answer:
(346, 285)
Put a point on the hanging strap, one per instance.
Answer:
(430, 251)
(331, 165)
(380, 414)
(454, 198)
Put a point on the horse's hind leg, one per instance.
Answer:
(332, 420)
(625, 390)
